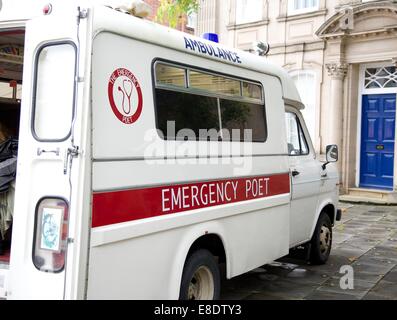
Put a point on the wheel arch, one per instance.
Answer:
(329, 208)
(207, 236)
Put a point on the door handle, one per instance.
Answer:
(41, 151)
(295, 173)
(380, 147)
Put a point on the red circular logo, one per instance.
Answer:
(125, 96)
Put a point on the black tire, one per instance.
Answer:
(201, 275)
(321, 242)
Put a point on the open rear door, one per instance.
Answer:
(47, 154)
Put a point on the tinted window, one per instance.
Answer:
(169, 75)
(251, 90)
(226, 106)
(296, 140)
(188, 111)
(243, 116)
(213, 83)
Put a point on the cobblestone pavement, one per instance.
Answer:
(366, 239)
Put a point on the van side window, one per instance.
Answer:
(207, 105)
(297, 145)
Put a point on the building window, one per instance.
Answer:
(305, 82)
(383, 77)
(192, 20)
(302, 6)
(249, 11)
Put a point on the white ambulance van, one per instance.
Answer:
(148, 158)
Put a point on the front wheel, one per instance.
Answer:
(201, 277)
(321, 242)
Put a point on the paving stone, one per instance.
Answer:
(339, 238)
(372, 259)
(361, 287)
(244, 283)
(307, 276)
(386, 289)
(235, 295)
(375, 296)
(266, 296)
(326, 295)
(391, 276)
(370, 272)
(285, 289)
(385, 252)
(349, 252)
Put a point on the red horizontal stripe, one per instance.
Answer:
(128, 205)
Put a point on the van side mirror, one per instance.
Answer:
(332, 155)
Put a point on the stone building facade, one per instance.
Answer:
(342, 55)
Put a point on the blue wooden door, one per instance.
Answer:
(377, 141)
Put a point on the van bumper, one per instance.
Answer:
(339, 215)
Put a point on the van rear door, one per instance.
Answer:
(43, 212)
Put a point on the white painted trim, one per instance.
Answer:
(362, 92)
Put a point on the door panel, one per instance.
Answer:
(377, 141)
(47, 107)
(306, 180)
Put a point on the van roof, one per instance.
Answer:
(107, 19)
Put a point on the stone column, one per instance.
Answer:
(337, 72)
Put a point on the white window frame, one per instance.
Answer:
(191, 20)
(293, 11)
(361, 92)
(240, 8)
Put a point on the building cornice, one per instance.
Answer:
(256, 24)
(300, 16)
(331, 28)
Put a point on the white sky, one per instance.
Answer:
(20, 9)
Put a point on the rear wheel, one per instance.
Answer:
(201, 277)
(321, 242)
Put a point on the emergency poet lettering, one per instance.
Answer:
(213, 193)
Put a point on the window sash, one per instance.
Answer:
(249, 11)
(302, 6)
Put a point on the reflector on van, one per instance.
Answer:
(50, 235)
(47, 9)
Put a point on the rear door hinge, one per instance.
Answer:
(71, 153)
